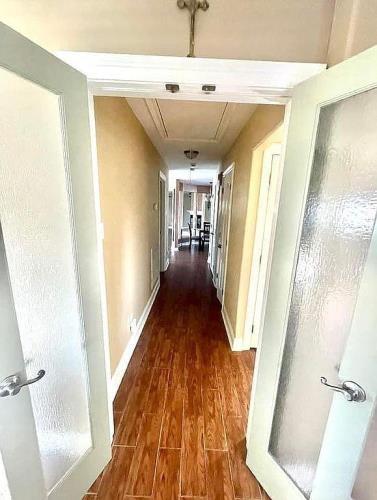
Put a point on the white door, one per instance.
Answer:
(263, 243)
(54, 433)
(306, 439)
(224, 227)
(212, 237)
(162, 222)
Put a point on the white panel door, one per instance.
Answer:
(224, 228)
(263, 243)
(312, 431)
(54, 433)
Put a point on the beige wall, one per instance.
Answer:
(273, 30)
(246, 183)
(129, 168)
(353, 29)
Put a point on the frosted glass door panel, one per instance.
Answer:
(337, 227)
(4, 487)
(365, 484)
(35, 214)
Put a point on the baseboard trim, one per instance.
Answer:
(167, 263)
(235, 343)
(120, 370)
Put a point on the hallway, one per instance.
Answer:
(181, 410)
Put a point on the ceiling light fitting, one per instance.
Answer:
(191, 154)
(208, 88)
(193, 6)
(172, 87)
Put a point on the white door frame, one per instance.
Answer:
(126, 75)
(224, 247)
(164, 262)
(263, 242)
(101, 260)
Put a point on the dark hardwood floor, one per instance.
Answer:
(181, 410)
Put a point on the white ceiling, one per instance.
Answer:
(174, 126)
(273, 30)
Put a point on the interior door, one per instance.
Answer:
(162, 223)
(307, 439)
(54, 418)
(223, 235)
(263, 242)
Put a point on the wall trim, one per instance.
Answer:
(120, 370)
(236, 344)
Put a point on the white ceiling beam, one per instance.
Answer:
(145, 76)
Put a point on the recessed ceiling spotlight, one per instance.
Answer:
(172, 87)
(192, 169)
(191, 154)
(208, 88)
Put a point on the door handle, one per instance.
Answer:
(12, 385)
(350, 390)
(219, 245)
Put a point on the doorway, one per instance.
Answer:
(225, 210)
(267, 160)
(163, 226)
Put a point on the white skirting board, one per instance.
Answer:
(236, 344)
(116, 379)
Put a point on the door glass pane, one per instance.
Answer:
(337, 227)
(35, 213)
(365, 484)
(4, 487)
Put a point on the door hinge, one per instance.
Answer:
(252, 328)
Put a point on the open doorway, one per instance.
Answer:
(163, 223)
(184, 331)
(191, 325)
(223, 229)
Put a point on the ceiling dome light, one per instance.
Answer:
(191, 154)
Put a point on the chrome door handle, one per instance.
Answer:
(350, 390)
(12, 385)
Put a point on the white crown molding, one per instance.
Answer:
(158, 121)
(225, 121)
(157, 117)
(145, 76)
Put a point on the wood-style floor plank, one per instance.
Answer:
(171, 436)
(193, 475)
(214, 431)
(219, 483)
(143, 465)
(181, 410)
(129, 427)
(96, 485)
(157, 392)
(115, 476)
(244, 483)
(264, 494)
(166, 485)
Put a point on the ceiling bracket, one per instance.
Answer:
(193, 6)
